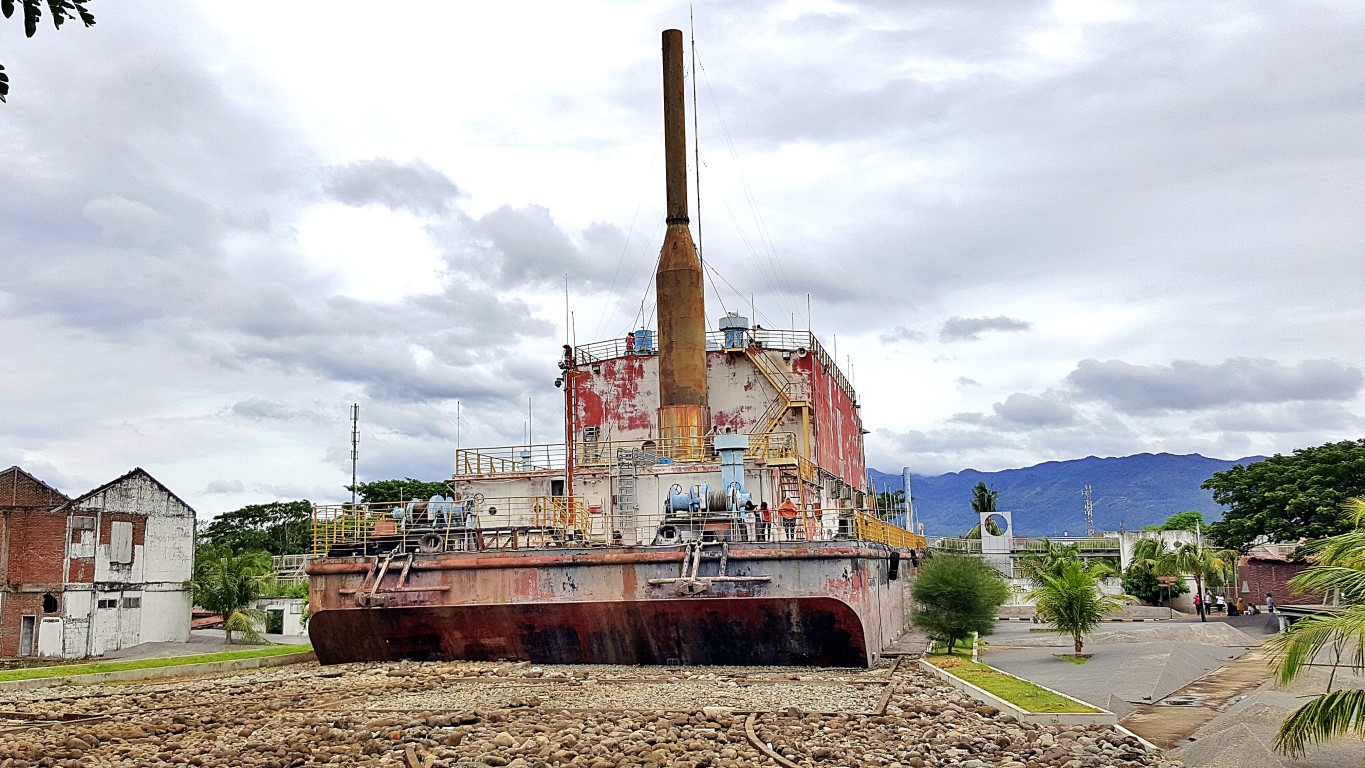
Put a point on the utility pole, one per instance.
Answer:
(355, 444)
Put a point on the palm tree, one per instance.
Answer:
(1339, 567)
(983, 499)
(1049, 559)
(227, 584)
(1069, 599)
(1206, 566)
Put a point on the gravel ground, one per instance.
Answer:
(469, 715)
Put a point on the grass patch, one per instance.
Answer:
(1021, 693)
(1083, 658)
(96, 667)
(961, 647)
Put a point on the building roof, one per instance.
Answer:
(130, 473)
(17, 470)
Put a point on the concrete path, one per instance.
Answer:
(1131, 664)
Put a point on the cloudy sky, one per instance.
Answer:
(1038, 230)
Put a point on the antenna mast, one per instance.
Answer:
(355, 444)
(1089, 511)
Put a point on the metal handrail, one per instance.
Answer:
(551, 522)
(547, 457)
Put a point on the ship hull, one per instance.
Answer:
(818, 604)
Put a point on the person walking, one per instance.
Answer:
(1220, 604)
(1269, 603)
(787, 511)
(1199, 604)
(764, 521)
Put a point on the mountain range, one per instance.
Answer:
(1046, 499)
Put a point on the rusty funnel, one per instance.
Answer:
(684, 413)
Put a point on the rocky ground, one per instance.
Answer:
(469, 715)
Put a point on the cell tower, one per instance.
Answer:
(1089, 511)
(355, 444)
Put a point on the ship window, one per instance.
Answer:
(132, 602)
(108, 603)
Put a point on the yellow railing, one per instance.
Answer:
(869, 528)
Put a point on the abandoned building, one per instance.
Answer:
(87, 575)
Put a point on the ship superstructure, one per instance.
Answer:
(707, 506)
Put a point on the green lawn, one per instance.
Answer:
(66, 670)
(1021, 693)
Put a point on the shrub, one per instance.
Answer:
(957, 595)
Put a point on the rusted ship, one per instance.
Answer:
(708, 506)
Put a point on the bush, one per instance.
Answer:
(1140, 582)
(956, 596)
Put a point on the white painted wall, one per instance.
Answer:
(291, 609)
(151, 601)
(50, 636)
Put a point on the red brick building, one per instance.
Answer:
(1267, 569)
(106, 570)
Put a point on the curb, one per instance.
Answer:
(1027, 618)
(1103, 717)
(154, 673)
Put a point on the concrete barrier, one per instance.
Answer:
(1103, 717)
(155, 673)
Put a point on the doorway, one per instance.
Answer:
(274, 621)
(26, 633)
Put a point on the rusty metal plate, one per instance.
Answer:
(814, 631)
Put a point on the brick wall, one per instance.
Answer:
(37, 545)
(20, 489)
(17, 605)
(1272, 576)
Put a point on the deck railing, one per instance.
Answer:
(547, 522)
(770, 447)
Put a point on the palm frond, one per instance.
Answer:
(1343, 632)
(1328, 716)
(1325, 578)
(245, 622)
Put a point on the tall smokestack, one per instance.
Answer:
(683, 408)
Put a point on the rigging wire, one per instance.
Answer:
(604, 317)
(781, 285)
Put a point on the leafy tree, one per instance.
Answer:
(396, 491)
(1288, 497)
(1191, 520)
(61, 10)
(890, 502)
(279, 528)
(1139, 581)
(1340, 636)
(957, 595)
(1069, 599)
(227, 583)
(1152, 558)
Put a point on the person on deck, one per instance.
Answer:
(765, 522)
(788, 511)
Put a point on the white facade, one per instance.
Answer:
(138, 539)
